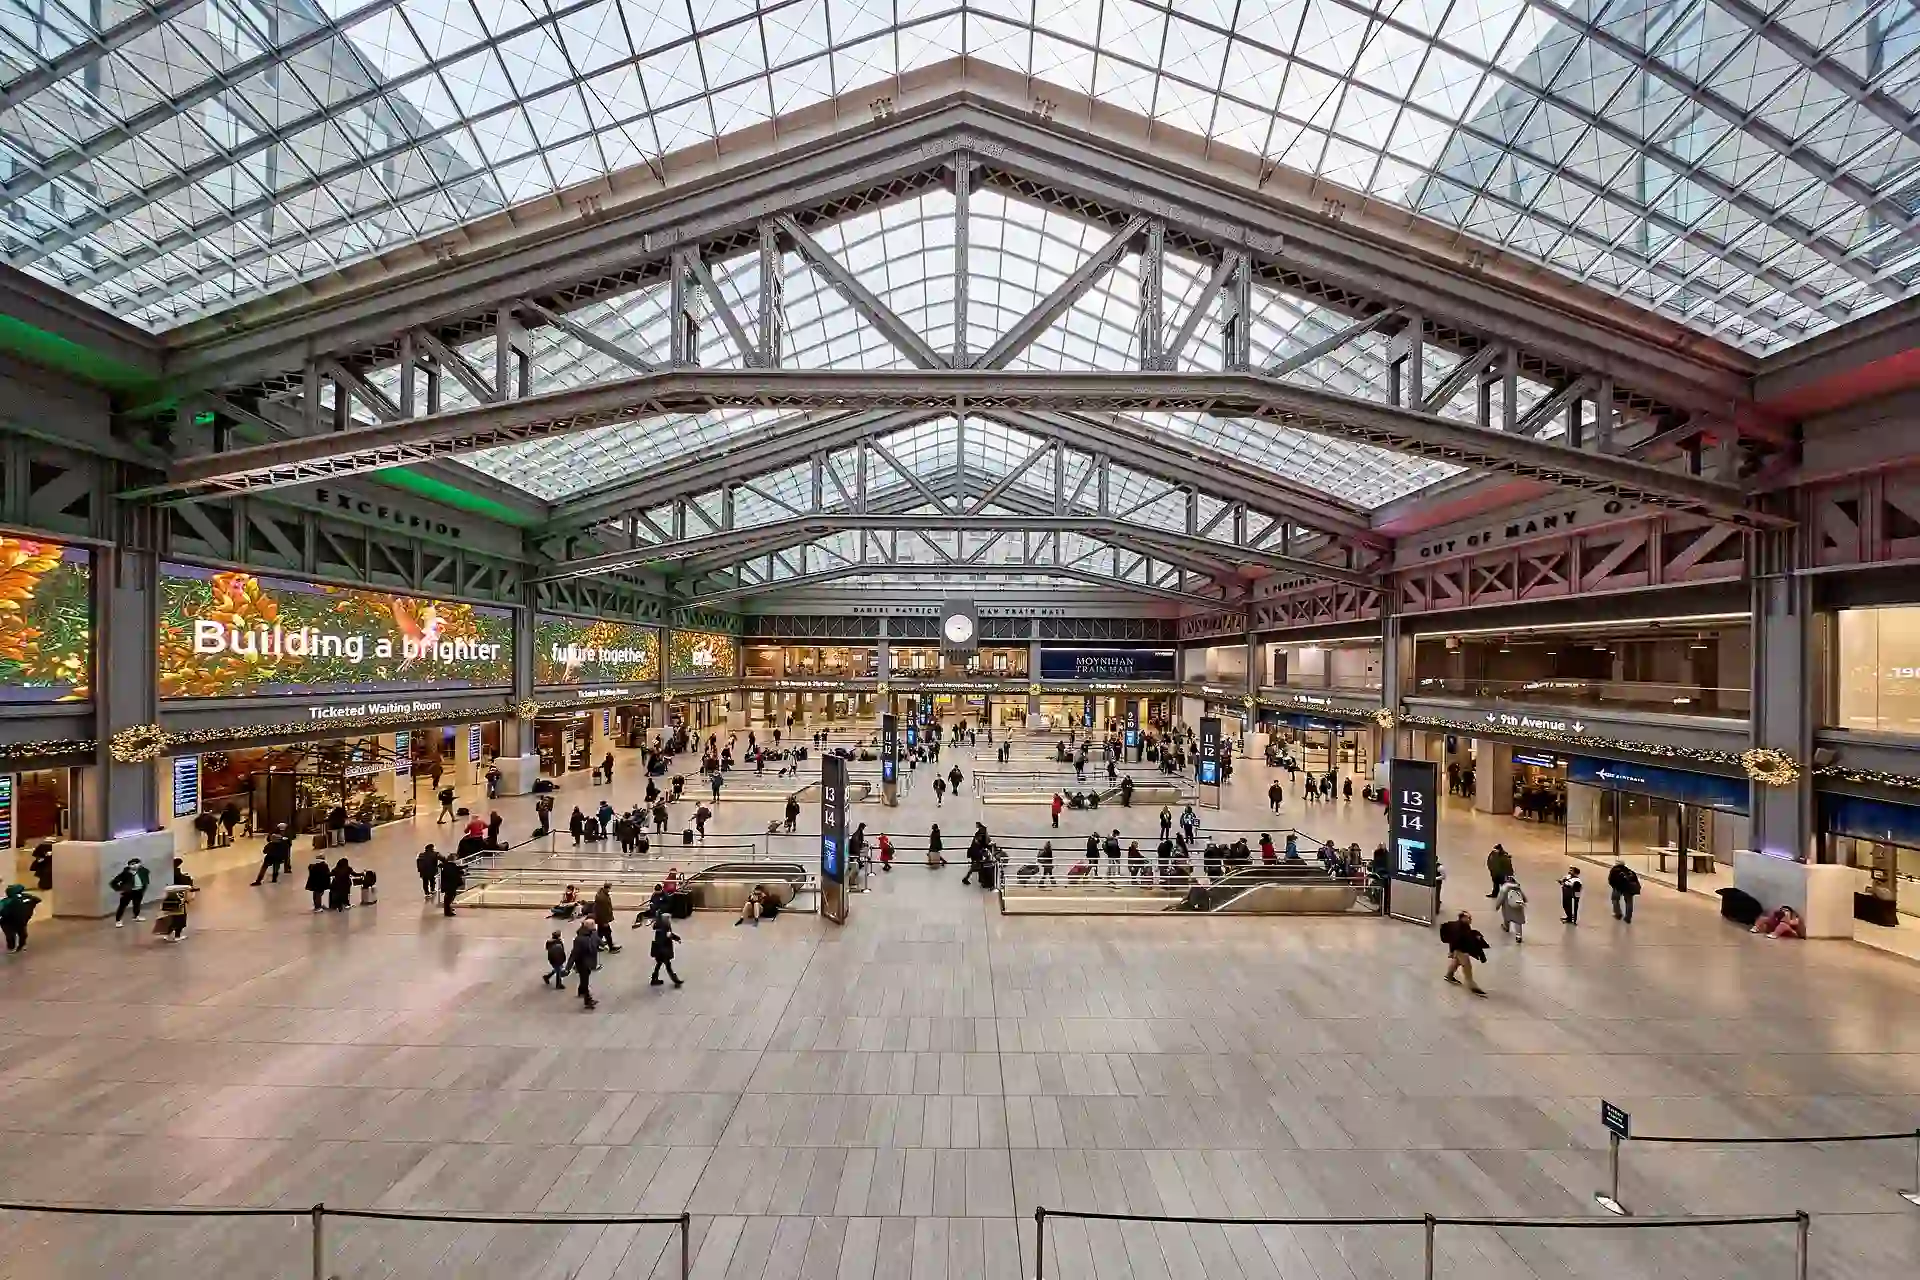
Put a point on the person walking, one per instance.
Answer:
(427, 863)
(16, 909)
(1571, 887)
(1346, 791)
(606, 769)
(792, 815)
(935, 858)
(1464, 945)
(319, 880)
(603, 918)
(556, 975)
(543, 810)
(445, 795)
(453, 877)
(1513, 909)
(1624, 883)
(1058, 804)
(1166, 823)
(939, 791)
(172, 923)
(1045, 859)
(955, 777)
(494, 823)
(713, 782)
(660, 817)
(576, 825)
(662, 949)
(1499, 868)
(131, 884)
(1274, 793)
(584, 959)
(274, 855)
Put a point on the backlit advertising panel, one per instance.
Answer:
(701, 655)
(46, 622)
(575, 651)
(231, 634)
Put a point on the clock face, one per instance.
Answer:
(958, 629)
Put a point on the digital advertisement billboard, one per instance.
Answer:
(701, 655)
(46, 622)
(573, 651)
(228, 634)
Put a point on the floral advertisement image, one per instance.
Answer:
(700, 655)
(46, 622)
(573, 651)
(229, 634)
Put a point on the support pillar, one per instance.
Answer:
(1396, 670)
(1492, 776)
(1781, 818)
(116, 814)
(519, 760)
(1036, 719)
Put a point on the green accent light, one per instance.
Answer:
(204, 418)
(55, 352)
(440, 491)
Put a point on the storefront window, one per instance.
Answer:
(1670, 667)
(1876, 669)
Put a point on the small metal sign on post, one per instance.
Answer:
(1619, 1126)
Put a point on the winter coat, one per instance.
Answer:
(1513, 903)
(1500, 863)
(556, 952)
(1622, 879)
(603, 907)
(319, 877)
(585, 957)
(663, 938)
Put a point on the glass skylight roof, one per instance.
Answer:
(1744, 166)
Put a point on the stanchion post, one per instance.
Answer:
(1431, 1226)
(1610, 1199)
(320, 1242)
(1039, 1243)
(686, 1246)
(1802, 1233)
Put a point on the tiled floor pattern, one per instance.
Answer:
(895, 1097)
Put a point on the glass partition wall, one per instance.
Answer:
(1678, 666)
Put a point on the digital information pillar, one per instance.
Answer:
(889, 760)
(1133, 725)
(833, 838)
(1413, 831)
(1206, 765)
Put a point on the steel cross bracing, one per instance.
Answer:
(1347, 270)
(696, 391)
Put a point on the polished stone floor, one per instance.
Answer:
(895, 1097)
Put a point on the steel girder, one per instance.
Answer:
(86, 52)
(1235, 395)
(1199, 554)
(1347, 269)
(1155, 581)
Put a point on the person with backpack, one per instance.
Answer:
(131, 884)
(1464, 945)
(1513, 909)
(446, 801)
(275, 855)
(1624, 883)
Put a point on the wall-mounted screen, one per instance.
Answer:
(46, 622)
(1106, 664)
(229, 634)
(701, 655)
(573, 651)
